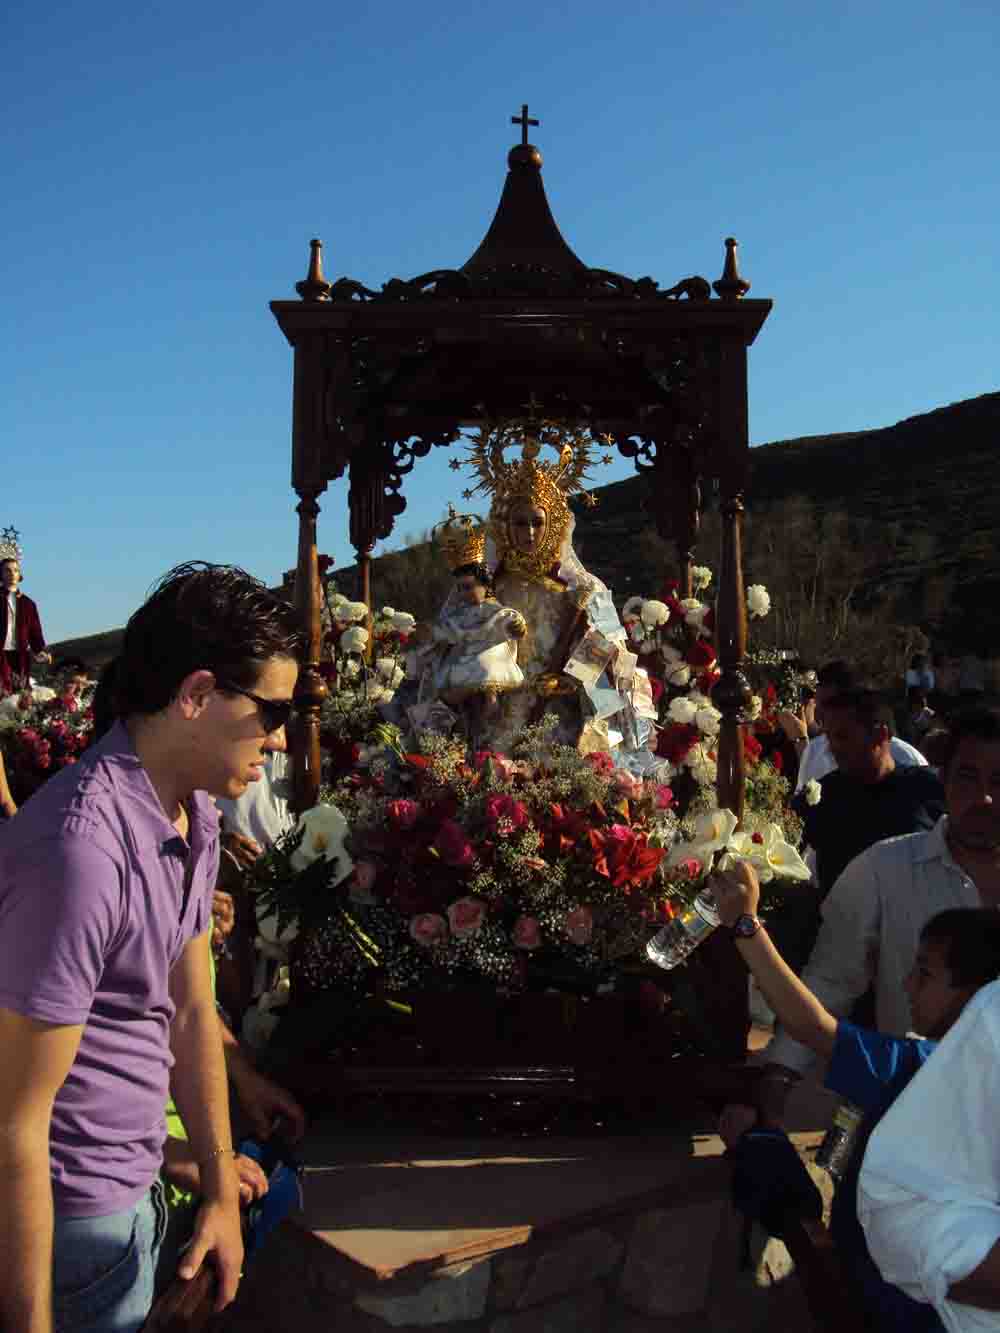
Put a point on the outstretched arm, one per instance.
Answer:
(737, 893)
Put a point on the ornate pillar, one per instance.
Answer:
(310, 690)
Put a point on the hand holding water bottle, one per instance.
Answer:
(736, 891)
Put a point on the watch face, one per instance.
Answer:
(745, 926)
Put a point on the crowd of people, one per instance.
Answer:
(117, 1146)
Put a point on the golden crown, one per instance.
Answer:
(461, 538)
(531, 480)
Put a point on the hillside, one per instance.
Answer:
(933, 479)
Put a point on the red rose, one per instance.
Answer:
(505, 815)
(752, 747)
(453, 846)
(776, 761)
(656, 685)
(700, 653)
(676, 741)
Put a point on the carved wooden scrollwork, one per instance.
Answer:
(507, 280)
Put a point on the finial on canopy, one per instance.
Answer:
(731, 286)
(314, 287)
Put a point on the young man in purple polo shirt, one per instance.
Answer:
(106, 880)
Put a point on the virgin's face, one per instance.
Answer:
(10, 572)
(527, 523)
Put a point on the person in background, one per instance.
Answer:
(957, 952)
(72, 677)
(20, 630)
(867, 797)
(920, 718)
(816, 758)
(105, 997)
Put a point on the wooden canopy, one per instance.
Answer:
(384, 375)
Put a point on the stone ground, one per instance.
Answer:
(616, 1235)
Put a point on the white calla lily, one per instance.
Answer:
(785, 861)
(714, 829)
(324, 829)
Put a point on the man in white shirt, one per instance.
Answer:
(930, 1181)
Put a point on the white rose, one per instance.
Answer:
(654, 613)
(350, 668)
(354, 611)
(398, 676)
(758, 600)
(338, 599)
(682, 710)
(323, 829)
(388, 612)
(404, 622)
(701, 577)
(354, 640)
(632, 608)
(756, 707)
(707, 720)
(386, 667)
(677, 673)
(813, 792)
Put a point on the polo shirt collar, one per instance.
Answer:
(936, 847)
(149, 828)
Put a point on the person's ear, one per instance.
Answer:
(194, 692)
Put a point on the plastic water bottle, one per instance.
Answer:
(681, 937)
(837, 1148)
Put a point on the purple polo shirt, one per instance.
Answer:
(98, 897)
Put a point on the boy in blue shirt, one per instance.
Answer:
(959, 952)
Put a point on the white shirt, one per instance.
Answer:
(872, 919)
(817, 759)
(10, 643)
(930, 1180)
(262, 812)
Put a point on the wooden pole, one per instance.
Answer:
(731, 694)
(310, 690)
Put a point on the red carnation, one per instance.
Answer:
(776, 761)
(752, 747)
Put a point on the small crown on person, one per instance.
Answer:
(461, 538)
(10, 548)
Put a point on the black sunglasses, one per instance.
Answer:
(274, 713)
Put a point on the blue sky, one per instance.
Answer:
(164, 167)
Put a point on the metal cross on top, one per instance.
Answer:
(524, 121)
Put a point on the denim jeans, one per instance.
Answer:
(103, 1268)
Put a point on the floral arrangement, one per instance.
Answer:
(673, 638)
(363, 670)
(42, 732)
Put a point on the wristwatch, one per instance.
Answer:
(745, 927)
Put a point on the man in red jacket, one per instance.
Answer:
(20, 630)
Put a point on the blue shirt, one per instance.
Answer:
(871, 1069)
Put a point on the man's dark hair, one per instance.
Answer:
(199, 616)
(836, 675)
(970, 937)
(867, 707)
(479, 571)
(980, 724)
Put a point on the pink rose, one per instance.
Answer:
(691, 867)
(404, 814)
(579, 925)
(466, 917)
(453, 846)
(364, 875)
(428, 929)
(527, 933)
(664, 798)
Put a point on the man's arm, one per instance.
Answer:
(198, 1083)
(262, 1100)
(841, 965)
(37, 1058)
(803, 1017)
